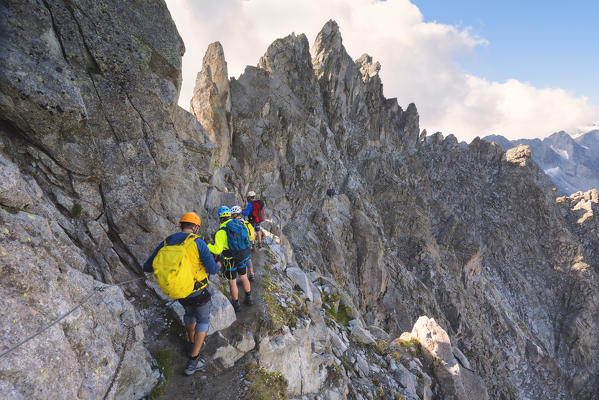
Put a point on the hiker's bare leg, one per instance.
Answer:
(233, 288)
(245, 282)
(251, 267)
(191, 331)
(259, 234)
(197, 345)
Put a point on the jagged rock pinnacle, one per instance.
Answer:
(211, 99)
(328, 40)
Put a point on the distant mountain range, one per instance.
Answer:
(572, 162)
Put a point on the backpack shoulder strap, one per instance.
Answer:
(191, 235)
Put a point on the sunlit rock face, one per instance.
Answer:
(465, 234)
(570, 161)
(98, 163)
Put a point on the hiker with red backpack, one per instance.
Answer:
(181, 265)
(232, 244)
(255, 213)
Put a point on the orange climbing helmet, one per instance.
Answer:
(191, 217)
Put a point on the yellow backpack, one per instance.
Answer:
(177, 268)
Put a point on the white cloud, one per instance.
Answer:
(419, 61)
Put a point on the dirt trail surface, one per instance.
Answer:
(215, 382)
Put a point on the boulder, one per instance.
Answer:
(406, 379)
(337, 344)
(359, 333)
(300, 278)
(378, 333)
(291, 354)
(455, 381)
(222, 314)
(230, 353)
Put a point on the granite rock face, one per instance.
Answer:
(419, 225)
(42, 279)
(98, 163)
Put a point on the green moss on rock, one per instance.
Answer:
(265, 385)
(165, 364)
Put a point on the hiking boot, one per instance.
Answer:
(248, 301)
(194, 365)
(236, 305)
(251, 277)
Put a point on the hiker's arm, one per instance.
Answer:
(148, 264)
(248, 210)
(220, 239)
(206, 258)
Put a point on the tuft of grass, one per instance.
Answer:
(334, 310)
(281, 315)
(165, 359)
(344, 315)
(278, 314)
(271, 255)
(224, 289)
(382, 347)
(267, 267)
(76, 210)
(265, 385)
(412, 345)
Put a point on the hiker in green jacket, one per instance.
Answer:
(236, 214)
(232, 244)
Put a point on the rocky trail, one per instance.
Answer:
(216, 382)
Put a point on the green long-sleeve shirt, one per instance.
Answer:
(220, 240)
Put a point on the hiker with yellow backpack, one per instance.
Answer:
(232, 245)
(181, 264)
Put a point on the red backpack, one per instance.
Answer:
(257, 215)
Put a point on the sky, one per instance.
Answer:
(519, 69)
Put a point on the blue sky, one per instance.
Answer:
(520, 69)
(546, 43)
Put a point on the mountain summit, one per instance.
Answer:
(572, 163)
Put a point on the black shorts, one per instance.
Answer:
(234, 264)
(231, 274)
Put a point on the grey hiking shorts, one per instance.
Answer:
(197, 311)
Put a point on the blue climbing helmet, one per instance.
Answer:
(224, 212)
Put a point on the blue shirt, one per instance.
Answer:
(248, 209)
(177, 238)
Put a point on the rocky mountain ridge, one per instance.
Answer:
(572, 163)
(99, 162)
